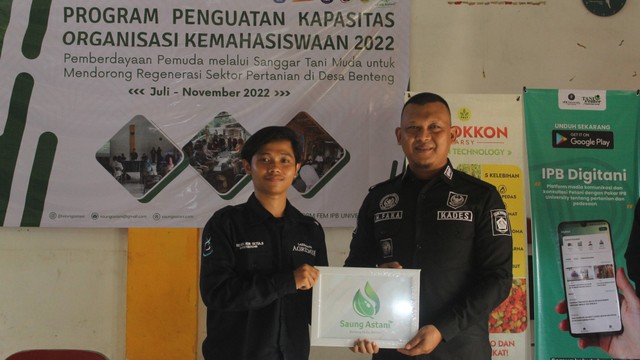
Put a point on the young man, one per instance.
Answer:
(258, 261)
(450, 225)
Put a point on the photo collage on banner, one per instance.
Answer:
(582, 153)
(133, 113)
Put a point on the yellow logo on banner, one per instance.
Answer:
(464, 114)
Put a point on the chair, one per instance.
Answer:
(149, 181)
(57, 354)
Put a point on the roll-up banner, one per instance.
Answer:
(489, 146)
(582, 151)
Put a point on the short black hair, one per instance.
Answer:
(269, 134)
(425, 98)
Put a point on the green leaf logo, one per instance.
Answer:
(366, 305)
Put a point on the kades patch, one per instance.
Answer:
(456, 201)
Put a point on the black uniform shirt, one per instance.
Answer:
(454, 228)
(254, 311)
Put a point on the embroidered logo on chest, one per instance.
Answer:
(389, 201)
(304, 248)
(456, 200)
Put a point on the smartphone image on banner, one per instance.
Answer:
(588, 269)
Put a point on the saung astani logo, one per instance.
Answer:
(367, 304)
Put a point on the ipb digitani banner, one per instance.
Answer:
(582, 153)
(132, 113)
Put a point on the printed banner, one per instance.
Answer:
(582, 151)
(489, 132)
(132, 113)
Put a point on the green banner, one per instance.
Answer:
(582, 150)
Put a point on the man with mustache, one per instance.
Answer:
(452, 226)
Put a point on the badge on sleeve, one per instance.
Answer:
(207, 249)
(500, 222)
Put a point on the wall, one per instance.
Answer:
(67, 286)
(501, 48)
(63, 287)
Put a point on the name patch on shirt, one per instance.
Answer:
(249, 245)
(455, 215)
(304, 248)
(387, 215)
(500, 221)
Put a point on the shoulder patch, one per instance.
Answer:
(500, 222)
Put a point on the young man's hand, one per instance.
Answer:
(306, 276)
(365, 346)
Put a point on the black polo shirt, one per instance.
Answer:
(454, 228)
(254, 311)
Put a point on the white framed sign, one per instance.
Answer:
(365, 303)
